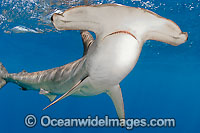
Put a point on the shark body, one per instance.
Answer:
(50, 82)
(120, 34)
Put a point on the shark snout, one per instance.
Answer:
(184, 36)
(181, 38)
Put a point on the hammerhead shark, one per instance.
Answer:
(120, 33)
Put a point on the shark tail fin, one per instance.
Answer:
(3, 73)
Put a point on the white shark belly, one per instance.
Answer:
(114, 58)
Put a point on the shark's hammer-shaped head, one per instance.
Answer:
(164, 30)
(109, 18)
(77, 18)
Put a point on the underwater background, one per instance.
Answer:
(164, 84)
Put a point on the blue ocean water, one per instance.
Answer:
(164, 84)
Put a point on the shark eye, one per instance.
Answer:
(52, 18)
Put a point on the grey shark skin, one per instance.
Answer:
(50, 82)
(120, 34)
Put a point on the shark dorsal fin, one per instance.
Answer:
(87, 40)
(23, 72)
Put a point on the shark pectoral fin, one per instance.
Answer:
(68, 93)
(116, 96)
(51, 97)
